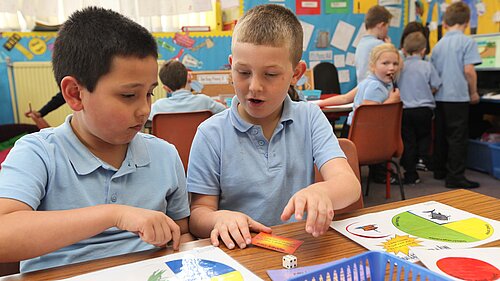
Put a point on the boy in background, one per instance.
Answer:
(174, 76)
(252, 166)
(418, 82)
(377, 25)
(94, 186)
(454, 57)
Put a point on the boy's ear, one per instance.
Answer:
(230, 59)
(71, 89)
(166, 88)
(299, 70)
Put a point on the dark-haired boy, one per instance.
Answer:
(94, 187)
(454, 57)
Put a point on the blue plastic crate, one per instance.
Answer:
(495, 160)
(312, 94)
(381, 265)
(479, 156)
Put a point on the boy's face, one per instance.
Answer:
(261, 78)
(120, 104)
(386, 66)
(383, 30)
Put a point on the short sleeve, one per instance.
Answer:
(471, 55)
(325, 143)
(203, 168)
(376, 92)
(434, 79)
(25, 172)
(177, 201)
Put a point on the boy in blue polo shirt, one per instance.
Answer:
(174, 76)
(252, 166)
(418, 82)
(94, 187)
(377, 26)
(454, 57)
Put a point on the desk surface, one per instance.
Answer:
(331, 246)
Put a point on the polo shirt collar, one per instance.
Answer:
(243, 126)
(374, 77)
(453, 32)
(84, 162)
(181, 93)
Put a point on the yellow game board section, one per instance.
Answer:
(473, 227)
(230, 276)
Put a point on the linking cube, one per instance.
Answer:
(289, 261)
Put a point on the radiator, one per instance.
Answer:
(34, 83)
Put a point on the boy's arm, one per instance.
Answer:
(186, 236)
(232, 227)
(471, 77)
(339, 99)
(26, 233)
(339, 189)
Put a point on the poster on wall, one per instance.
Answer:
(362, 6)
(336, 7)
(307, 7)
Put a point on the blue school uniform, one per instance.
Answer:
(449, 56)
(183, 101)
(53, 170)
(232, 159)
(417, 79)
(372, 89)
(362, 55)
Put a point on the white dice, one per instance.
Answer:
(289, 261)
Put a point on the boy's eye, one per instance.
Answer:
(150, 94)
(271, 74)
(242, 72)
(128, 95)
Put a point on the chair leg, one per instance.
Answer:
(399, 179)
(388, 180)
(368, 181)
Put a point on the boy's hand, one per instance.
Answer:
(318, 206)
(474, 98)
(235, 227)
(153, 227)
(34, 112)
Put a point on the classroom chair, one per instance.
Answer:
(352, 158)
(179, 128)
(376, 132)
(326, 78)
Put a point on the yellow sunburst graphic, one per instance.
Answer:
(400, 244)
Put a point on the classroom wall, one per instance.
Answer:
(209, 51)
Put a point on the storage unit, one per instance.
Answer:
(484, 157)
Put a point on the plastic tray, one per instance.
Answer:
(312, 94)
(379, 266)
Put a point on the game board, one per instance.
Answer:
(206, 263)
(429, 225)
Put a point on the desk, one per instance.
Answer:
(331, 246)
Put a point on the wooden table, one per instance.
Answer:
(331, 246)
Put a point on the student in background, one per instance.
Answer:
(55, 102)
(454, 57)
(252, 166)
(377, 88)
(174, 76)
(377, 26)
(94, 187)
(418, 82)
(413, 27)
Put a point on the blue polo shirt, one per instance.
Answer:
(416, 82)
(372, 89)
(231, 158)
(362, 55)
(184, 101)
(53, 170)
(449, 57)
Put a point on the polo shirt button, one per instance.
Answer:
(261, 142)
(266, 155)
(255, 131)
(113, 198)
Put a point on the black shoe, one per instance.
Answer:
(467, 184)
(421, 165)
(383, 179)
(411, 180)
(439, 175)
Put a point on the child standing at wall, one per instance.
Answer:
(94, 187)
(252, 166)
(418, 82)
(174, 76)
(454, 57)
(377, 25)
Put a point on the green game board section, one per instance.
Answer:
(420, 227)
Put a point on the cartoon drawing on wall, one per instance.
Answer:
(307, 7)
(322, 39)
(191, 62)
(13, 42)
(207, 43)
(179, 55)
(362, 6)
(37, 46)
(165, 45)
(433, 25)
(183, 40)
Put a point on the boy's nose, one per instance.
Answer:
(144, 108)
(255, 84)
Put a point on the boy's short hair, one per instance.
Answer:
(412, 27)
(376, 15)
(457, 13)
(271, 25)
(173, 74)
(415, 42)
(379, 50)
(91, 38)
